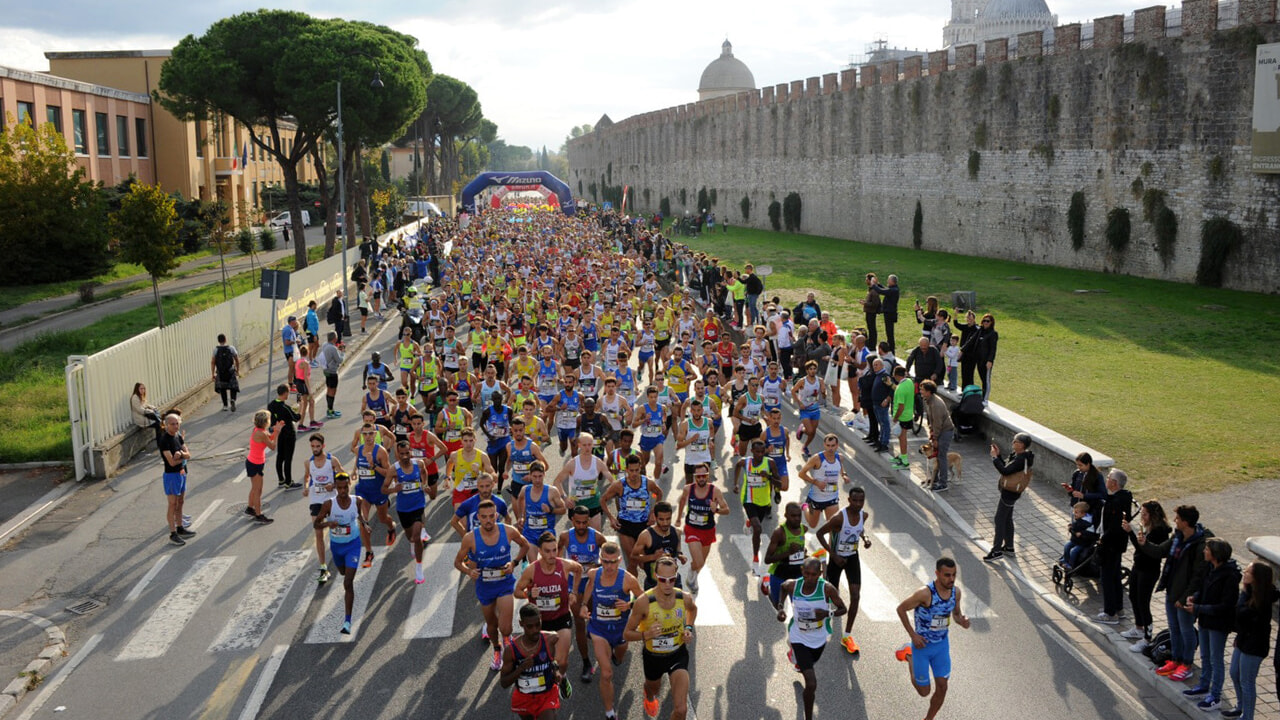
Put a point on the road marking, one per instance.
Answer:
(712, 609)
(172, 615)
(328, 624)
(876, 602)
(207, 512)
(1116, 688)
(52, 685)
(239, 478)
(151, 575)
(434, 602)
(921, 564)
(259, 694)
(261, 603)
(902, 504)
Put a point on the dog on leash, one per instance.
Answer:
(955, 464)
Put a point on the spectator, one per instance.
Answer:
(1015, 476)
(968, 357)
(1214, 606)
(337, 316)
(941, 432)
(1154, 528)
(1080, 535)
(985, 352)
(360, 274)
(807, 310)
(866, 383)
(282, 412)
(927, 361)
(331, 361)
(784, 332)
(1116, 504)
(827, 324)
(871, 308)
(904, 411)
(1087, 480)
(754, 287)
(289, 338)
(881, 396)
(941, 334)
(950, 350)
(855, 366)
(889, 295)
(1253, 636)
(1183, 573)
(144, 414)
(817, 347)
(737, 291)
(927, 316)
(836, 367)
(312, 326)
(225, 368)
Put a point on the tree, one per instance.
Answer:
(52, 220)
(146, 226)
(272, 70)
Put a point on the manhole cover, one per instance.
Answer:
(84, 607)
(238, 508)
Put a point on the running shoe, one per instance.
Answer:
(1233, 713)
(650, 706)
(1209, 704)
(484, 633)
(1195, 691)
(1107, 619)
(850, 646)
(799, 433)
(426, 536)
(764, 585)
(903, 654)
(368, 560)
(176, 539)
(249, 511)
(496, 663)
(791, 658)
(346, 627)
(418, 577)
(291, 486)
(263, 519)
(323, 577)
(185, 533)
(588, 672)
(1139, 646)
(1167, 668)
(992, 556)
(1182, 674)
(820, 553)
(566, 687)
(899, 463)
(391, 537)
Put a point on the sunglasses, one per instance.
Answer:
(667, 580)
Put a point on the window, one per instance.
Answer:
(104, 133)
(53, 115)
(26, 113)
(122, 135)
(80, 131)
(140, 125)
(199, 139)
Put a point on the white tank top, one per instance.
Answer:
(321, 476)
(829, 473)
(348, 519)
(699, 448)
(805, 629)
(612, 411)
(584, 482)
(849, 535)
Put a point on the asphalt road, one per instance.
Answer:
(234, 626)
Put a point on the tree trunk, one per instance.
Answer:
(290, 170)
(155, 290)
(429, 152)
(330, 201)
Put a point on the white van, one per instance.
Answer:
(282, 220)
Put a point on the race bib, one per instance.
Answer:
(492, 574)
(698, 518)
(532, 685)
(755, 481)
(341, 531)
(652, 430)
(664, 644)
(468, 482)
(401, 430)
(364, 474)
(636, 504)
(452, 435)
(808, 624)
(846, 547)
(797, 557)
(698, 446)
(416, 453)
(547, 385)
(536, 522)
(940, 622)
(410, 486)
(608, 612)
(585, 490)
(548, 603)
(520, 468)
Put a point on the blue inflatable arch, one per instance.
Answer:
(530, 178)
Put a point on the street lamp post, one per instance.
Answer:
(342, 193)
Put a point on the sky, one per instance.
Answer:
(543, 68)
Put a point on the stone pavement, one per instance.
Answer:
(1040, 521)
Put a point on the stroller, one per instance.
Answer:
(1086, 567)
(968, 412)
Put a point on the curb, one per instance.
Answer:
(43, 506)
(55, 647)
(37, 465)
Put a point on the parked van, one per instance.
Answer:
(282, 220)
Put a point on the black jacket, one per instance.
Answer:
(968, 331)
(334, 315)
(754, 284)
(928, 364)
(888, 300)
(1183, 574)
(984, 345)
(1143, 562)
(1253, 627)
(1115, 510)
(1216, 602)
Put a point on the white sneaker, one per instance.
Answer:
(1133, 634)
(1139, 646)
(1106, 619)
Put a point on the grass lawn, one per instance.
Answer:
(32, 376)
(1146, 372)
(22, 294)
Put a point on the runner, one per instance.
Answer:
(935, 605)
(550, 585)
(822, 493)
(401, 415)
(452, 421)
(811, 599)
(616, 409)
(694, 435)
(406, 355)
(562, 411)
(807, 393)
(583, 478)
(495, 423)
(537, 506)
(763, 483)
(342, 517)
(523, 451)
(747, 411)
(372, 462)
(427, 371)
(302, 386)
(375, 399)
(606, 605)
(663, 618)
(581, 544)
(527, 663)
(652, 418)
(406, 484)
(174, 454)
(848, 527)
(703, 501)
(465, 518)
(635, 496)
(658, 540)
(318, 485)
(465, 466)
(485, 557)
(786, 553)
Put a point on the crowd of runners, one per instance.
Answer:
(566, 335)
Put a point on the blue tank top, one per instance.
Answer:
(410, 497)
(585, 552)
(541, 342)
(590, 337)
(653, 421)
(498, 426)
(365, 465)
(626, 382)
(635, 502)
(603, 598)
(933, 622)
(490, 559)
(379, 406)
(700, 512)
(464, 390)
(520, 460)
(537, 520)
(546, 379)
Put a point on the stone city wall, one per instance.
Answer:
(993, 147)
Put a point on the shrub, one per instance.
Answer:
(745, 205)
(664, 206)
(975, 164)
(684, 198)
(1076, 219)
(704, 200)
(245, 240)
(775, 215)
(267, 239)
(713, 197)
(1118, 229)
(791, 211)
(1166, 234)
(1219, 237)
(1152, 201)
(917, 227)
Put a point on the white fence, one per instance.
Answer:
(174, 360)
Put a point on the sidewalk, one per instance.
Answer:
(1040, 518)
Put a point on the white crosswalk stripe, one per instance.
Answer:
(167, 621)
(434, 602)
(328, 622)
(261, 602)
(712, 609)
(921, 564)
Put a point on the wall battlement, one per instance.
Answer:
(993, 142)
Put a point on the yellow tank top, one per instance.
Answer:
(661, 326)
(453, 426)
(406, 355)
(466, 471)
(671, 622)
(755, 488)
(528, 367)
(677, 378)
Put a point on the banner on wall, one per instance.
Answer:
(1266, 109)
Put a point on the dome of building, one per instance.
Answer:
(726, 75)
(1007, 18)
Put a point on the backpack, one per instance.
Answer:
(1160, 649)
(225, 361)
